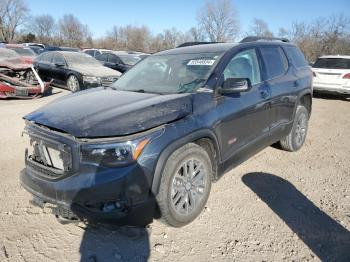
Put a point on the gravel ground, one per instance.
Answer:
(276, 206)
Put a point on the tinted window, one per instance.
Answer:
(276, 63)
(332, 63)
(103, 57)
(296, 56)
(112, 59)
(244, 65)
(46, 57)
(59, 59)
(90, 52)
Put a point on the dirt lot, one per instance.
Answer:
(276, 206)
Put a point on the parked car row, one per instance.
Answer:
(73, 68)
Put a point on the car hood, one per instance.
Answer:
(104, 112)
(99, 71)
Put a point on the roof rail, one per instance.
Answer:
(195, 43)
(259, 38)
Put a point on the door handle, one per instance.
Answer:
(296, 83)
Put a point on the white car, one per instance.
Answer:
(332, 74)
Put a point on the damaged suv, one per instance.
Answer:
(151, 145)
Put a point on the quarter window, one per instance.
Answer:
(297, 56)
(244, 65)
(276, 63)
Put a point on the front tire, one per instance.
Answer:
(185, 185)
(73, 83)
(296, 137)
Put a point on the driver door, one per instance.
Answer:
(245, 115)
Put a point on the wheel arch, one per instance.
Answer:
(306, 100)
(204, 138)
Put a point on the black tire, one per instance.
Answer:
(296, 137)
(73, 83)
(181, 208)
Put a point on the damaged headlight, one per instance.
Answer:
(91, 79)
(115, 154)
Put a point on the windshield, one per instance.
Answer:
(129, 60)
(180, 73)
(332, 63)
(81, 59)
(25, 51)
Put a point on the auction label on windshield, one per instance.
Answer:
(208, 62)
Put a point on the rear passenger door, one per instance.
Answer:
(282, 81)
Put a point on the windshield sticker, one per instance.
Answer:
(208, 62)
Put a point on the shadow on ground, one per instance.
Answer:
(114, 244)
(329, 240)
(332, 96)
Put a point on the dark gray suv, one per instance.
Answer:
(151, 145)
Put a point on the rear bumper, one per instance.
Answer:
(331, 88)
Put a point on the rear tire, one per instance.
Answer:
(296, 137)
(185, 185)
(73, 83)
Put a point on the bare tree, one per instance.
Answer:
(44, 28)
(71, 31)
(196, 34)
(260, 28)
(219, 20)
(13, 14)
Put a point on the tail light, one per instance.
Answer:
(347, 76)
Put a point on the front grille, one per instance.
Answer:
(108, 81)
(50, 158)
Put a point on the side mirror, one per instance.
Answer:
(235, 85)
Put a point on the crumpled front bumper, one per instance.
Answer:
(104, 197)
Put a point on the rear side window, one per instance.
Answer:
(276, 63)
(332, 63)
(296, 56)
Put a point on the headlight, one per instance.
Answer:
(115, 154)
(91, 79)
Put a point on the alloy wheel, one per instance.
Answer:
(188, 185)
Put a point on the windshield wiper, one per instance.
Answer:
(197, 81)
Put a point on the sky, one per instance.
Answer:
(102, 15)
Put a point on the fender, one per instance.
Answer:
(202, 133)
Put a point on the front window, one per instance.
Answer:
(165, 74)
(244, 65)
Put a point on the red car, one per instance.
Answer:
(18, 78)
